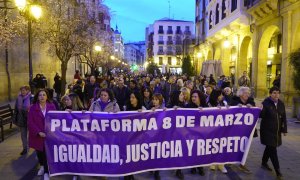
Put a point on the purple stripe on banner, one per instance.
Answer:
(118, 144)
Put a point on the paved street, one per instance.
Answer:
(13, 166)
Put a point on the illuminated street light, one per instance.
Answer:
(21, 4)
(31, 12)
(36, 11)
(199, 55)
(226, 43)
(112, 57)
(98, 48)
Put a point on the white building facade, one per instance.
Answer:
(165, 42)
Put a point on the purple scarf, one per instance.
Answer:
(23, 102)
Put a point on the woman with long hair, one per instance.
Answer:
(216, 100)
(36, 127)
(135, 102)
(72, 102)
(197, 100)
(147, 98)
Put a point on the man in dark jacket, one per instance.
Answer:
(122, 93)
(273, 123)
(89, 90)
(169, 87)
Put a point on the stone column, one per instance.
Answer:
(255, 45)
(287, 89)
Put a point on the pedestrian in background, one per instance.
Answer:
(22, 106)
(273, 124)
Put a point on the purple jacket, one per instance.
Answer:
(36, 124)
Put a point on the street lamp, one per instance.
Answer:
(31, 12)
(98, 48)
(226, 43)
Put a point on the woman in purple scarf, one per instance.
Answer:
(21, 110)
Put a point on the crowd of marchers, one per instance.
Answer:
(130, 92)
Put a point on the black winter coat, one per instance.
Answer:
(237, 100)
(273, 123)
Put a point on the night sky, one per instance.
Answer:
(133, 16)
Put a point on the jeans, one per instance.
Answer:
(24, 137)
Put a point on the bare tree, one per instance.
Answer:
(11, 26)
(64, 30)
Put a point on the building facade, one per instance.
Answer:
(165, 41)
(254, 36)
(134, 53)
(118, 44)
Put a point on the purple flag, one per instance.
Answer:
(118, 144)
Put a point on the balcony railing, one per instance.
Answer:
(161, 42)
(170, 32)
(169, 42)
(179, 52)
(170, 53)
(178, 42)
(160, 31)
(178, 32)
(187, 32)
(160, 53)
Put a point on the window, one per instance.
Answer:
(161, 30)
(187, 28)
(178, 61)
(217, 13)
(210, 20)
(161, 38)
(170, 31)
(160, 48)
(233, 5)
(178, 30)
(170, 60)
(160, 61)
(223, 9)
(169, 38)
(170, 48)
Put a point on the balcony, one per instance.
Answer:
(160, 52)
(188, 32)
(178, 42)
(170, 31)
(161, 42)
(160, 31)
(179, 52)
(171, 53)
(178, 32)
(169, 42)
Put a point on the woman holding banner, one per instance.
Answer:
(243, 99)
(105, 102)
(177, 101)
(36, 127)
(273, 123)
(72, 102)
(197, 100)
(157, 101)
(135, 104)
(216, 99)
